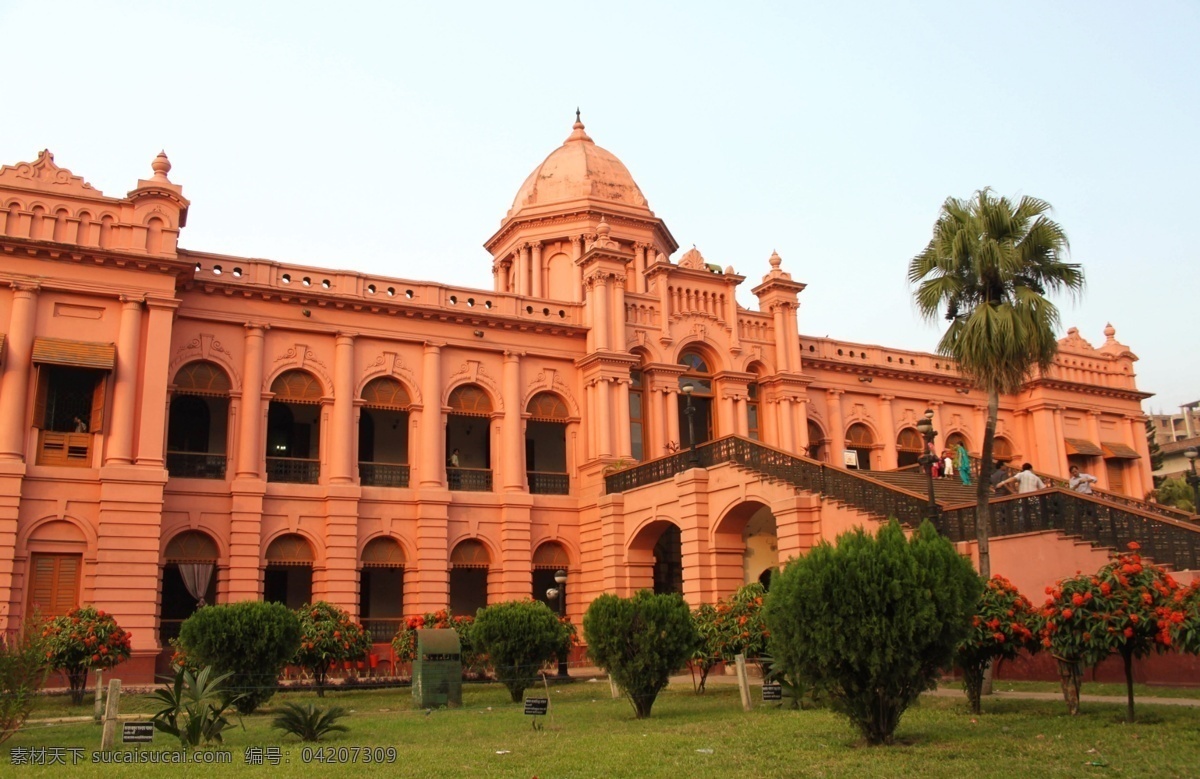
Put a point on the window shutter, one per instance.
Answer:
(39, 405)
(55, 588)
(97, 422)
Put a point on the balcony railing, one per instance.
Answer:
(383, 474)
(196, 465)
(548, 483)
(73, 449)
(469, 479)
(295, 470)
(382, 629)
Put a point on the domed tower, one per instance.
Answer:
(557, 212)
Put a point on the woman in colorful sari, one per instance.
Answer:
(963, 461)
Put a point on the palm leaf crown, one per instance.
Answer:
(989, 266)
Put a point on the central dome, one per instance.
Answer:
(579, 169)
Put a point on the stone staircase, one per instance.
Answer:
(946, 491)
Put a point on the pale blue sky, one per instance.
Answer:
(391, 138)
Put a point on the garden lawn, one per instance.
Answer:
(591, 735)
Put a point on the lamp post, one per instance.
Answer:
(928, 458)
(1193, 479)
(690, 411)
(559, 593)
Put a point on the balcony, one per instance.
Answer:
(469, 479)
(196, 465)
(294, 470)
(547, 483)
(383, 474)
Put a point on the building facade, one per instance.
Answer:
(178, 426)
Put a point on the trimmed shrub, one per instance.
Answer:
(23, 669)
(640, 642)
(328, 636)
(251, 640)
(873, 620)
(1003, 625)
(82, 639)
(519, 637)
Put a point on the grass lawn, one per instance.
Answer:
(591, 735)
(1098, 688)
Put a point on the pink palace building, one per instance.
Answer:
(178, 425)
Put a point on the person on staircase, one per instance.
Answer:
(1081, 482)
(963, 461)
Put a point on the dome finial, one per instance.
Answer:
(577, 131)
(775, 260)
(161, 167)
(1110, 332)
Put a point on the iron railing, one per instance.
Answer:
(196, 465)
(293, 469)
(1095, 518)
(548, 483)
(382, 629)
(1113, 497)
(383, 474)
(1167, 541)
(469, 479)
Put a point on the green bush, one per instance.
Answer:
(872, 620)
(251, 640)
(308, 722)
(327, 637)
(23, 668)
(640, 642)
(519, 637)
(82, 639)
(194, 707)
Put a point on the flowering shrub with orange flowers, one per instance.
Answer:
(82, 639)
(1179, 620)
(1116, 610)
(1003, 625)
(729, 628)
(328, 636)
(404, 644)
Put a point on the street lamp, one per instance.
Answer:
(928, 458)
(559, 593)
(1193, 479)
(690, 410)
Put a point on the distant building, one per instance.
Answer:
(177, 424)
(1169, 428)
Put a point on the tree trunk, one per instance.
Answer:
(77, 681)
(983, 489)
(973, 684)
(319, 679)
(1127, 656)
(1071, 676)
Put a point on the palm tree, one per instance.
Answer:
(988, 267)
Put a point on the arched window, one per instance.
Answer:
(381, 587)
(469, 563)
(288, 575)
(698, 377)
(198, 423)
(860, 441)
(468, 440)
(1002, 449)
(188, 580)
(816, 442)
(383, 434)
(637, 414)
(294, 428)
(548, 559)
(546, 445)
(752, 421)
(909, 446)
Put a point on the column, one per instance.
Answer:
(639, 267)
(740, 406)
(837, 433)
(1101, 472)
(120, 439)
(802, 441)
(655, 429)
(664, 309)
(600, 316)
(672, 398)
(535, 270)
(344, 437)
(1060, 445)
(788, 435)
(791, 314)
(727, 423)
(782, 354)
(14, 385)
(887, 422)
(153, 416)
(250, 447)
(522, 283)
(604, 417)
(1141, 476)
(433, 438)
(513, 468)
(735, 342)
(576, 253)
(617, 340)
(593, 434)
(624, 442)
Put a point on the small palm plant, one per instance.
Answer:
(309, 722)
(194, 709)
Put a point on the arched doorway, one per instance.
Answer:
(294, 428)
(198, 424)
(381, 590)
(55, 568)
(909, 446)
(746, 547)
(816, 442)
(548, 559)
(546, 445)
(189, 580)
(288, 576)
(860, 441)
(668, 561)
(469, 440)
(383, 434)
(698, 377)
(469, 564)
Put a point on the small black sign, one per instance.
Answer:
(137, 732)
(537, 705)
(772, 692)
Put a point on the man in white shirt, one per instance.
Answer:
(1026, 480)
(1081, 482)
